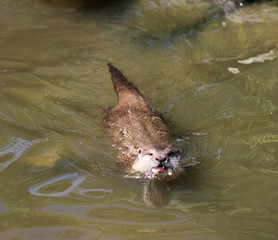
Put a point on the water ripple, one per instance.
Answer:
(76, 181)
(95, 193)
(13, 151)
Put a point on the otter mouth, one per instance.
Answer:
(162, 170)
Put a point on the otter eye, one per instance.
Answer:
(170, 154)
(173, 153)
(150, 154)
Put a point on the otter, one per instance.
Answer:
(139, 133)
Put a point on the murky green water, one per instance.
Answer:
(58, 179)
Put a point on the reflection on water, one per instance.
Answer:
(12, 151)
(58, 177)
(157, 193)
(36, 190)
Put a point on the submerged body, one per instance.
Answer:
(138, 132)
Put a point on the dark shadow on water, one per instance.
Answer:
(91, 5)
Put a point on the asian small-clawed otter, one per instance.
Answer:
(139, 133)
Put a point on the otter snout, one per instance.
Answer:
(161, 159)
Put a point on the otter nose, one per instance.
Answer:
(160, 158)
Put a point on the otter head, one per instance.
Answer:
(157, 161)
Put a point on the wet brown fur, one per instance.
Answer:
(133, 124)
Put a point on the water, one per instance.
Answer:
(58, 179)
